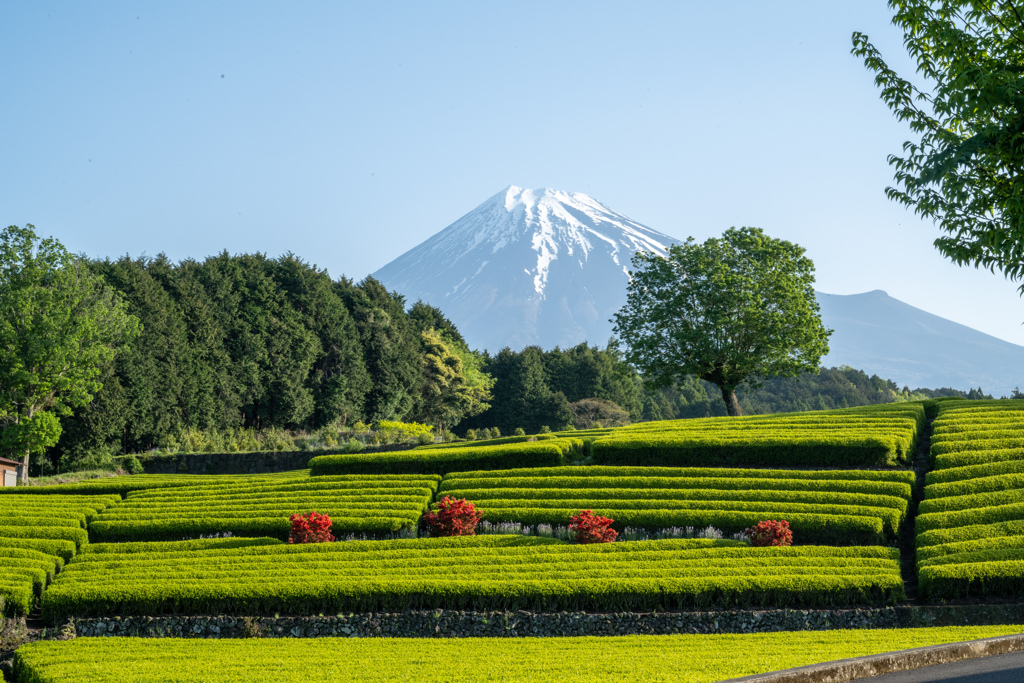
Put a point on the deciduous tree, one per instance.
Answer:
(452, 389)
(965, 170)
(734, 309)
(59, 324)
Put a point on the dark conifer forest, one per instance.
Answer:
(247, 341)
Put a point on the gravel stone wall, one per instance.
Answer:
(459, 624)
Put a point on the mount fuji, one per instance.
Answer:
(541, 267)
(550, 268)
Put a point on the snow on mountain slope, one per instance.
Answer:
(527, 267)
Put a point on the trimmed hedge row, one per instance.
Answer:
(989, 469)
(883, 488)
(979, 444)
(832, 509)
(122, 485)
(18, 596)
(557, 512)
(964, 547)
(970, 533)
(973, 501)
(970, 517)
(851, 437)
(19, 518)
(899, 476)
(491, 442)
(121, 531)
(98, 552)
(650, 498)
(784, 450)
(53, 525)
(847, 438)
(985, 555)
(64, 550)
(25, 574)
(472, 573)
(76, 534)
(444, 460)
(56, 563)
(971, 523)
(967, 458)
(807, 527)
(380, 504)
(972, 580)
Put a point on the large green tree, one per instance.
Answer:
(454, 385)
(965, 170)
(59, 325)
(731, 310)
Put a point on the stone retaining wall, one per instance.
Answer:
(459, 624)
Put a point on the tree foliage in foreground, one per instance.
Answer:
(734, 309)
(59, 325)
(965, 170)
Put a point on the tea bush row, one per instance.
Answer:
(970, 524)
(474, 573)
(24, 576)
(849, 438)
(122, 485)
(544, 453)
(866, 507)
(54, 525)
(375, 505)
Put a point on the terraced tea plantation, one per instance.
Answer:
(970, 525)
(872, 436)
(37, 535)
(371, 504)
(128, 546)
(822, 506)
(124, 485)
(480, 573)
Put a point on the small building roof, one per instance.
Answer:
(5, 461)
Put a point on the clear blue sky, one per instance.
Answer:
(347, 133)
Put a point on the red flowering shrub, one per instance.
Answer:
(770, 533)
(591, 528)
(311, 527)
(454, 517)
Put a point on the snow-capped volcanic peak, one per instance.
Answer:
(514, 248)
(569, 222)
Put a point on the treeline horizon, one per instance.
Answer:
(247, 341)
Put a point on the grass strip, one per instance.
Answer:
(625, 659)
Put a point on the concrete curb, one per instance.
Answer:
(901, 660)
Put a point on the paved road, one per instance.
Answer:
(1007, 668)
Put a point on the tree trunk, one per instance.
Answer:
(732, 404)
(24, 469)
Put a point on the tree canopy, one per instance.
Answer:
(59, 325)
(454, 387)
(734, 309)
(964, 171)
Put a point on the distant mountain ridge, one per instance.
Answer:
(886, 337)
(550, 268)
